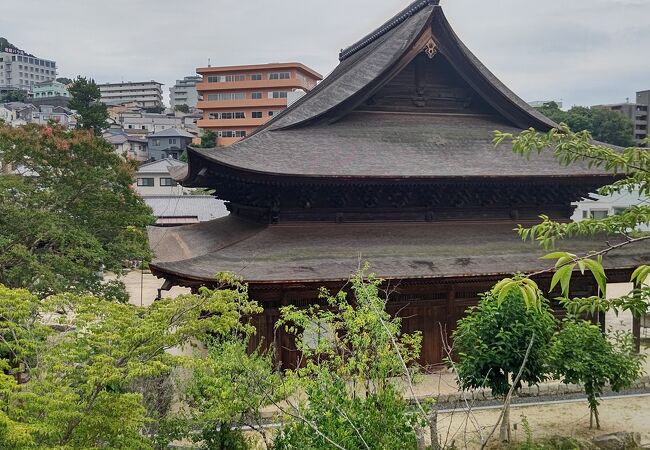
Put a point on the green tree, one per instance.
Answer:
(581, 353)
(350, 353)
(73, 214)
(633, 166)
(85, 100)
(17, 95)
(155, 109)
(209, 139)
(64, 80)
(503, 340)
(78, 383)
(182, 108)
(605, 126)
(229, 388)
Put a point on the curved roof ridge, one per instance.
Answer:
(400, 17)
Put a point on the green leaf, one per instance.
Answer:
(597, 270)
(563, 276)
(558, 255)
(503, 293)
(640, 275)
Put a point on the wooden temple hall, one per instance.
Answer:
(389, 159)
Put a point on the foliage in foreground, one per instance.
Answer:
(229, 387)
(80, 358)
(582, 354)
(492, 339)
(579, 345)
(73, 213)
(351, 351)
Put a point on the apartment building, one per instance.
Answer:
(637, 113)
(137, 122)
(48, 89)
(184, 92)
(641, 117)
(236, 100)
(22, 70)
(148, 94)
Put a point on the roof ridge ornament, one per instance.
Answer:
(402, 16)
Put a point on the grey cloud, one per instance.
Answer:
(579, 50)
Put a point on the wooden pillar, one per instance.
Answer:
(636, 332)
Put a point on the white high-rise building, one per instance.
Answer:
(21, 70)
(148, 94)
(184, 92)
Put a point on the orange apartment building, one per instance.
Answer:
(236, 100)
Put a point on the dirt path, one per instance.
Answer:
(567, 419)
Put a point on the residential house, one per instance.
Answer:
(137, 121)
(132, 147)
(169, 201)
(169, 143)
(153, 178)
(21, 113)
(46, 113)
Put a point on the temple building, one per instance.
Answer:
(389, 160)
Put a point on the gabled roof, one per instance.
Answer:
(171, 132)
(348, 127)
(160, 166)
(119, 136)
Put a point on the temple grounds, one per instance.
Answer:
(569, 419)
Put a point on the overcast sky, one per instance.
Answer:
(580, 51)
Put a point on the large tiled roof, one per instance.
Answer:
(313, 252)
(323, 134)
(391, 145)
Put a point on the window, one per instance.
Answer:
(172, 141)
(167, 182)
(279, 76)
(256, 95)
(256, 76)
(256, 115)
(156, 142)
(148, 182)
(278, 94)
(598, 213)
(225, 78)
(227, 96)
(227, 115)
(231, 134)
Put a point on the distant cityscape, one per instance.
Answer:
(231, 101)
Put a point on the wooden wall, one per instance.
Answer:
(432, 307)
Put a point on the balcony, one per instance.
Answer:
(207, 105)
(232, 123)
(292, 83)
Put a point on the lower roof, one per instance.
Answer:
(312, 252)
